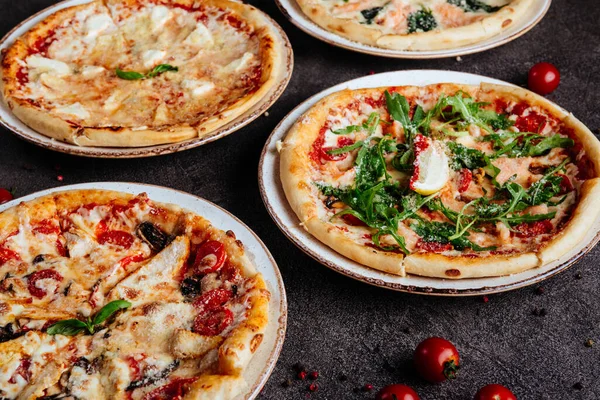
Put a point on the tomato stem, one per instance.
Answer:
(450, 369)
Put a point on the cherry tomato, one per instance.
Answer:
(213, 323)
(5, 196)
(465, 179)
(212, 299)
(210, 257)
(543, 78)
(565, 184)
(530, 229)
(397, 392)
(39, 275)
(494, 392)
(352, 220)
(436, 360)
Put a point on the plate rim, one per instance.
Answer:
(262, 106)
(405, 54)
(398, 287)
(280, 324)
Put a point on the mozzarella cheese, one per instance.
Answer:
(38, 64)
(76, 110)
(198, 88)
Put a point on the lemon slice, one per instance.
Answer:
(431, 171)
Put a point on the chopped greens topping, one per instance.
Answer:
(71, 327)
(474, 5)
(382, 199)
(134, 76)
(421, 21)
(370, 14)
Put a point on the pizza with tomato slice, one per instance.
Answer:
(107, 295)
(416, 25)
(448, 181)
(128, 73)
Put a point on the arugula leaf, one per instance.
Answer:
(370, 14)
(474, 5)
(133, 75)
(421, 21)
(68, 327)
(440, 232)
(464, 157)
(72, 327)
(548, 143)
(547, 187)
(109, 310)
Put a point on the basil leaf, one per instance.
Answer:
(68, 327)
(129, 75)
(162, 68)
(109, 310)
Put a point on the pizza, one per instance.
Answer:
(107, 295)
(446, 180)
(127, 73)
(416, 25)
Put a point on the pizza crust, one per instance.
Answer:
(424, 41)
(301, 193)
(272, 50)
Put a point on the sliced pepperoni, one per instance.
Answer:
(117, 238)
(465, 179)
(39, 275)
(174, 390)
(533, 122)
(213, 323)
(7, 255)
(134, 368)
(213, 299)
(47, 227)
(520, 108)
(210, 257)
(22, 370)
(530, 229)
(132, 259)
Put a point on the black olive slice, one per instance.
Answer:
(153, 235)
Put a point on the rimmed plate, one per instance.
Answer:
(274, 198)
(294, 13)
(264, 360)
(12, 123)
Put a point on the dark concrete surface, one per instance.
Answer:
(339, 326)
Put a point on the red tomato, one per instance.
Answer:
(39, 275)
(175, 390)
(434, 247)
(543, 78)
(117, 238)
(212, 324)
(494, 392)
(5, 196)
(529, 229)
(352, 220)
(210, 257)
(465, 179)
(47, 227)
(23, 370)
(436, 360)
(397, 392)
(565, 184)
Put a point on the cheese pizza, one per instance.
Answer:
(449, 181)
(127, 73)
(416, 25)
(106, 295)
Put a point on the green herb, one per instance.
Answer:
(370, 14)
(464, 157)
(441, 232)
(133, 75)
(474, 5)
(369, 125)
(72, 327)
(525, 144)
(547, 187)
(421, 21)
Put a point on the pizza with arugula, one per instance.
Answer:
(416, 25)
(106, 295)
(449, 181)
(127, 73)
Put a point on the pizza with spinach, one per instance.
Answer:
(449, 181)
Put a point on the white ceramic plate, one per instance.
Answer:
(12, 123)
(277, 205)
(264, 360)
(294, 13)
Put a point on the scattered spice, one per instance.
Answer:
(578, 275)
(368, 387)
(540, 312)
(299, 367)
(459, 58)
(313, 387)
(406, 330)
(343, 377)
(314, 375)
(539, 290)
(371, 72)
(302, 375)
(589, 343)
(60, 178)
(266, 114)
(485, 299)
(287, 383)
(57, 167)
(578, 386)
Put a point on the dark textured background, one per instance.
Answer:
(337, 325)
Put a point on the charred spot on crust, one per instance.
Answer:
(506, 22)
(231, 234)
(153, 236)
(452, 272)
(255, 342)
